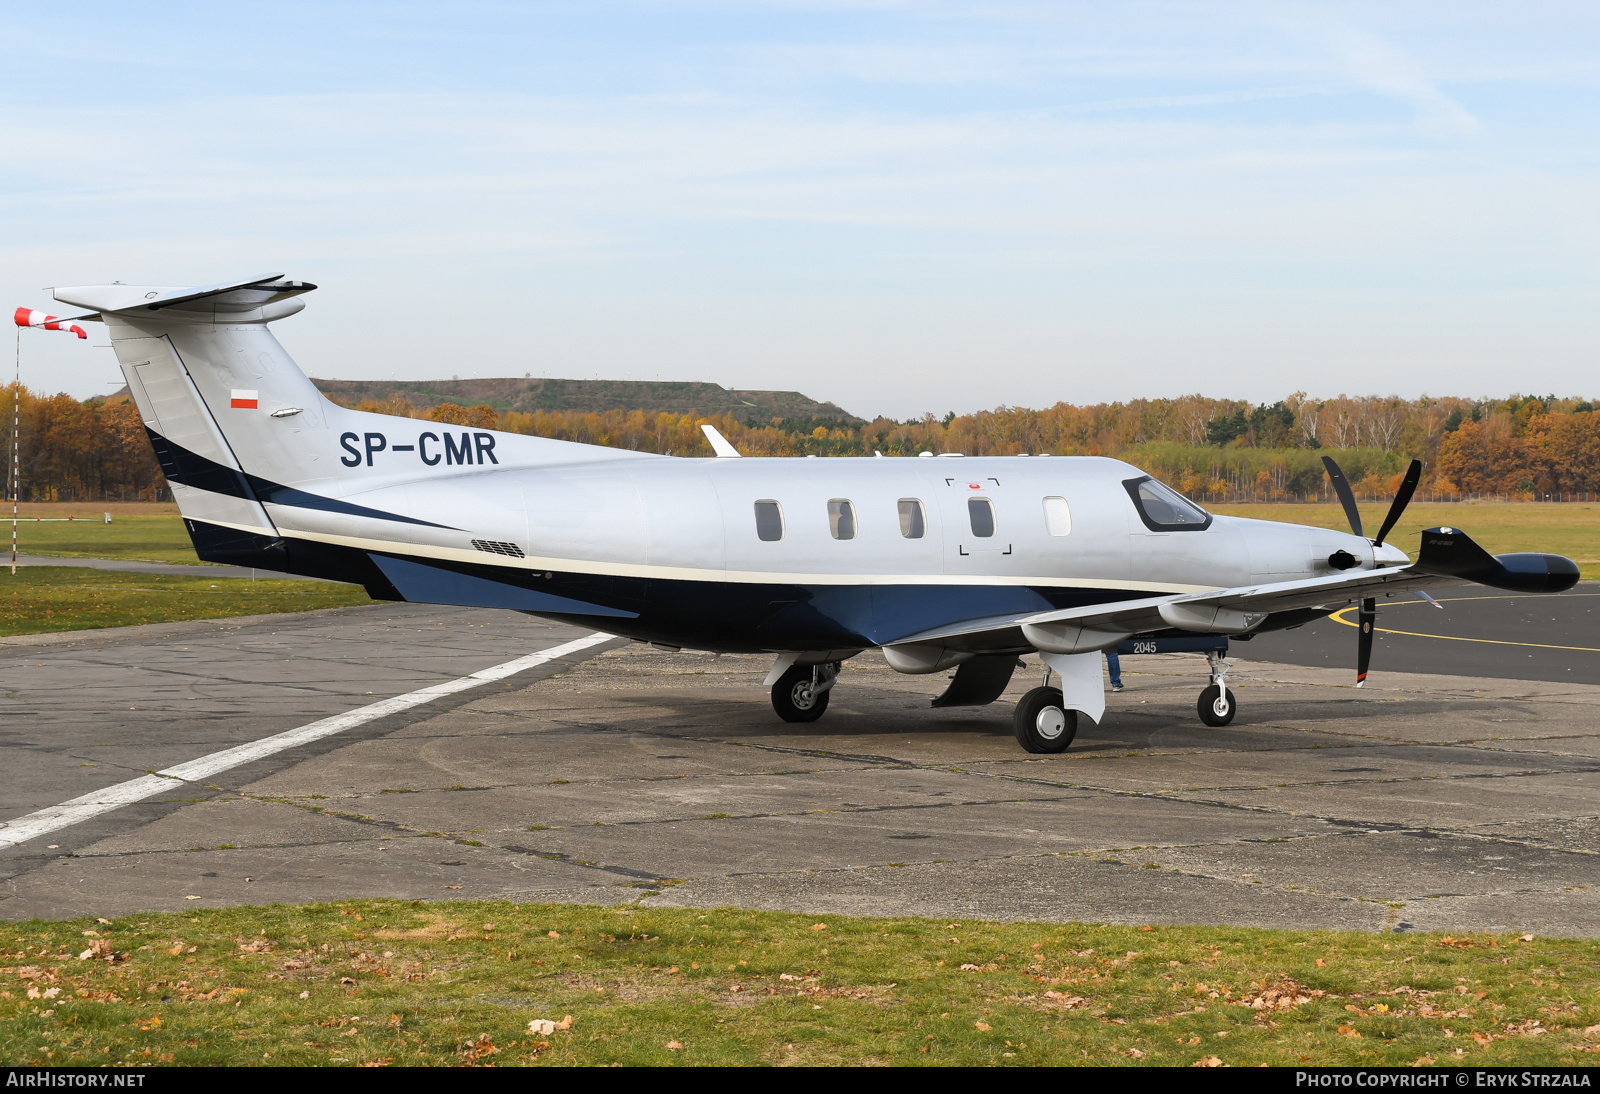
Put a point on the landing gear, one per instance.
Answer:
(801, 693)
(1042, 723)
(1217, 704)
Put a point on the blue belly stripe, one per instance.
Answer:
(420, 582)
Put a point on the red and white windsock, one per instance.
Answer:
(26, 318)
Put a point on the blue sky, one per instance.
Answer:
(897, 206)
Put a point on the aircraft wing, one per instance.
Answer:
(1447, 557)
(1155, 613)
(1331, 592)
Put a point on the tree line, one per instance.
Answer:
(1212, 449)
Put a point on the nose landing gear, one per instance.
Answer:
(1217, 704)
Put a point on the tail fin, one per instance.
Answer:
(188, 354)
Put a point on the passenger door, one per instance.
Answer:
(980, 528)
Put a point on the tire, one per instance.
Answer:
(792, 697)
(1042, 723)
(1214, 709)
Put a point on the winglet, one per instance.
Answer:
(719, 443)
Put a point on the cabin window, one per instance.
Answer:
(981, 515)
(841, 518)
(912, 524)
(769, 521)
(1057, 517)
(1163, 509)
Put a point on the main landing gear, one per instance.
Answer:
(1217, 704)
(1042, 723)
(801, 693)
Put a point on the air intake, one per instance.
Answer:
(495, 547)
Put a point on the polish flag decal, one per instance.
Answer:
(243, 400)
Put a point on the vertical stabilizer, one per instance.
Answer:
(212, 385)
(207, 481)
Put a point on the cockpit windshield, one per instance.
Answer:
(1163, 509)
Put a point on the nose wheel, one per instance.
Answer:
(1218, 703)
(1217, 707)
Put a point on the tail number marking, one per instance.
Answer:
(464, 450)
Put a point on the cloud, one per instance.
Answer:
(880, 203)
(1380, 65)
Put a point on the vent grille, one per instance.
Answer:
(495, 547)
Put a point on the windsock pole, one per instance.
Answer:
(27, 317)
(16, 430)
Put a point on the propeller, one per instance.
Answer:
(1341, 486)
(1402, 498)
(1367, 615)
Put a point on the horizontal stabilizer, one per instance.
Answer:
(150, 298)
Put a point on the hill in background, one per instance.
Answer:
(591, 396)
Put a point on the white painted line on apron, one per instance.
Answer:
(135, 790)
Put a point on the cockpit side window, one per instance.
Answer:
(1163, 509)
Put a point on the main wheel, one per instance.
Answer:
(1217, 709)
(794, 699)
(1042, 723)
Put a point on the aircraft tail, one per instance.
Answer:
(266, 471)
(191, 357)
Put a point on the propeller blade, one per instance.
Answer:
(1367, 617)
(1341, 486)
(1402, 498)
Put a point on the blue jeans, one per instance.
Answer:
(1116, 668)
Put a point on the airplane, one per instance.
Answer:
(940, 561)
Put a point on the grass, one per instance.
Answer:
(390, 982)
(146, 531)
(70, 598)
(1571, 529)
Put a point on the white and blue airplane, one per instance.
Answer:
(941, 562)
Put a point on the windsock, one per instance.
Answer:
(26, 318)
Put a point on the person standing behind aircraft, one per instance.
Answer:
(1115, 668)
